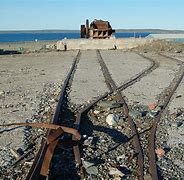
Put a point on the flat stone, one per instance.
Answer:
(92, 170)
(109, 104)
(151, 114)
(160, 152)
(88, 142)
(96, 112)
(1, 93)
(112, 119)
(28, 163)
(152, 106)
(115, 171)
(147, 177)
(87, 164)
(15, 154)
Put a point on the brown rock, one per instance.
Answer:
(152, 106)
(160, 152)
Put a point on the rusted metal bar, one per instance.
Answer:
(136, 141)
(47, 159)
(112, 86)
(151, 143)
(48, 126)
(34, 172)
(52, 141)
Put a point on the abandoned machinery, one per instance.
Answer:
(98, 29)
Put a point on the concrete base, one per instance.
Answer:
(85, 44)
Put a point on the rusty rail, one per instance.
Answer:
(34, 172)
(112, 86)
(151, 138)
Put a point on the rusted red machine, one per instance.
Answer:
(98, 29)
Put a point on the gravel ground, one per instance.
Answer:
(124, 65)
(170, 133)
(30, 84)
(28, 46)
(22, 82)
(178, 99)
(88, 81)
(146, 91)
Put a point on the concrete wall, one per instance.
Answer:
(84, 44)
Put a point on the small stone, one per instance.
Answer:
(96, 112)
(173, 115)
(103, 140)
(147, 177)
(160, 152)
(87, 164)
(1, 93)
(120, 157)
(176, 124)
(152, 114)
(28, 163)
(52, 100)
(92, 170)
(47, 108)
(88, 142)
(139, 129)
(115, 171)
(15, 154)
(178, 51)
(152, 106)
(112, 119)
(84, 136)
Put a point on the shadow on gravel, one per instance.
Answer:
(10, 129)
(160, 175)
(87, 127)
(8, 52)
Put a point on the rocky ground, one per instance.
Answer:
(27, 83)
(27, 47)
(29, 89)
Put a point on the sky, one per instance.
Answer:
(70, 14)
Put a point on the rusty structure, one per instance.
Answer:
(98, 29)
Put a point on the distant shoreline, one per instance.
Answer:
(159, 31)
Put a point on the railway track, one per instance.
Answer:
(165, 101)
(150, 129)
(43, 158)
(68, 147)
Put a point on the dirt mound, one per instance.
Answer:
(161, 46)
